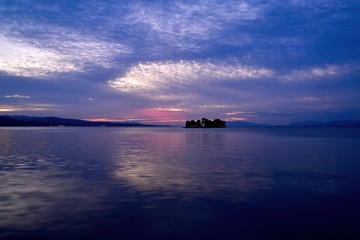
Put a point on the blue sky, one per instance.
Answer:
(167, 61)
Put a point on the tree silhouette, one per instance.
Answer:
(205, 123)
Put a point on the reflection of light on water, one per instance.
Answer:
(30, 198)
(38, 187)
(149, 175)
(81, 179)
(186, 165)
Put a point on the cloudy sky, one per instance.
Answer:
(273, 61)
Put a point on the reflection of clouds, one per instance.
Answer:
(30, 198)
(38, 186)
(186, 165)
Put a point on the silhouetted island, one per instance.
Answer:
(205, 123)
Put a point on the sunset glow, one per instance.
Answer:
(155, 61)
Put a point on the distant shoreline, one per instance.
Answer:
(32, 121)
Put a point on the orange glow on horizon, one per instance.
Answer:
(148, 115)
(236, 119)
(102, 120)
(162, 115)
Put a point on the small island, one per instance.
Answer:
(205, 123)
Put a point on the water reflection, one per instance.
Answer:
(139, 183)
(39, 185)
(187, 165)
(30, 199)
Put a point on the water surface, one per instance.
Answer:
(174, 183)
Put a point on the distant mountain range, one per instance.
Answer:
(344, 123)
(16, 120)
(246, 124)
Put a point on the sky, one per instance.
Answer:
(273, 61)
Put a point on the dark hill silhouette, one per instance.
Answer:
(8, 121)
(25, 121)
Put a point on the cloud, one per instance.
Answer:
(179, 80)
(170, 109)
(17, 96)
(236, 119)
(320, 5)
(27, 107)
(320, 72)
(22, 59)
(183, 24)
(60, 51)
(309, 99)
(263, 55)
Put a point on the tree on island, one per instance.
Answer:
(205, 123)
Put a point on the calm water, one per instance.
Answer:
(174, 183)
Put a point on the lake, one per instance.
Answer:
(175, 183)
